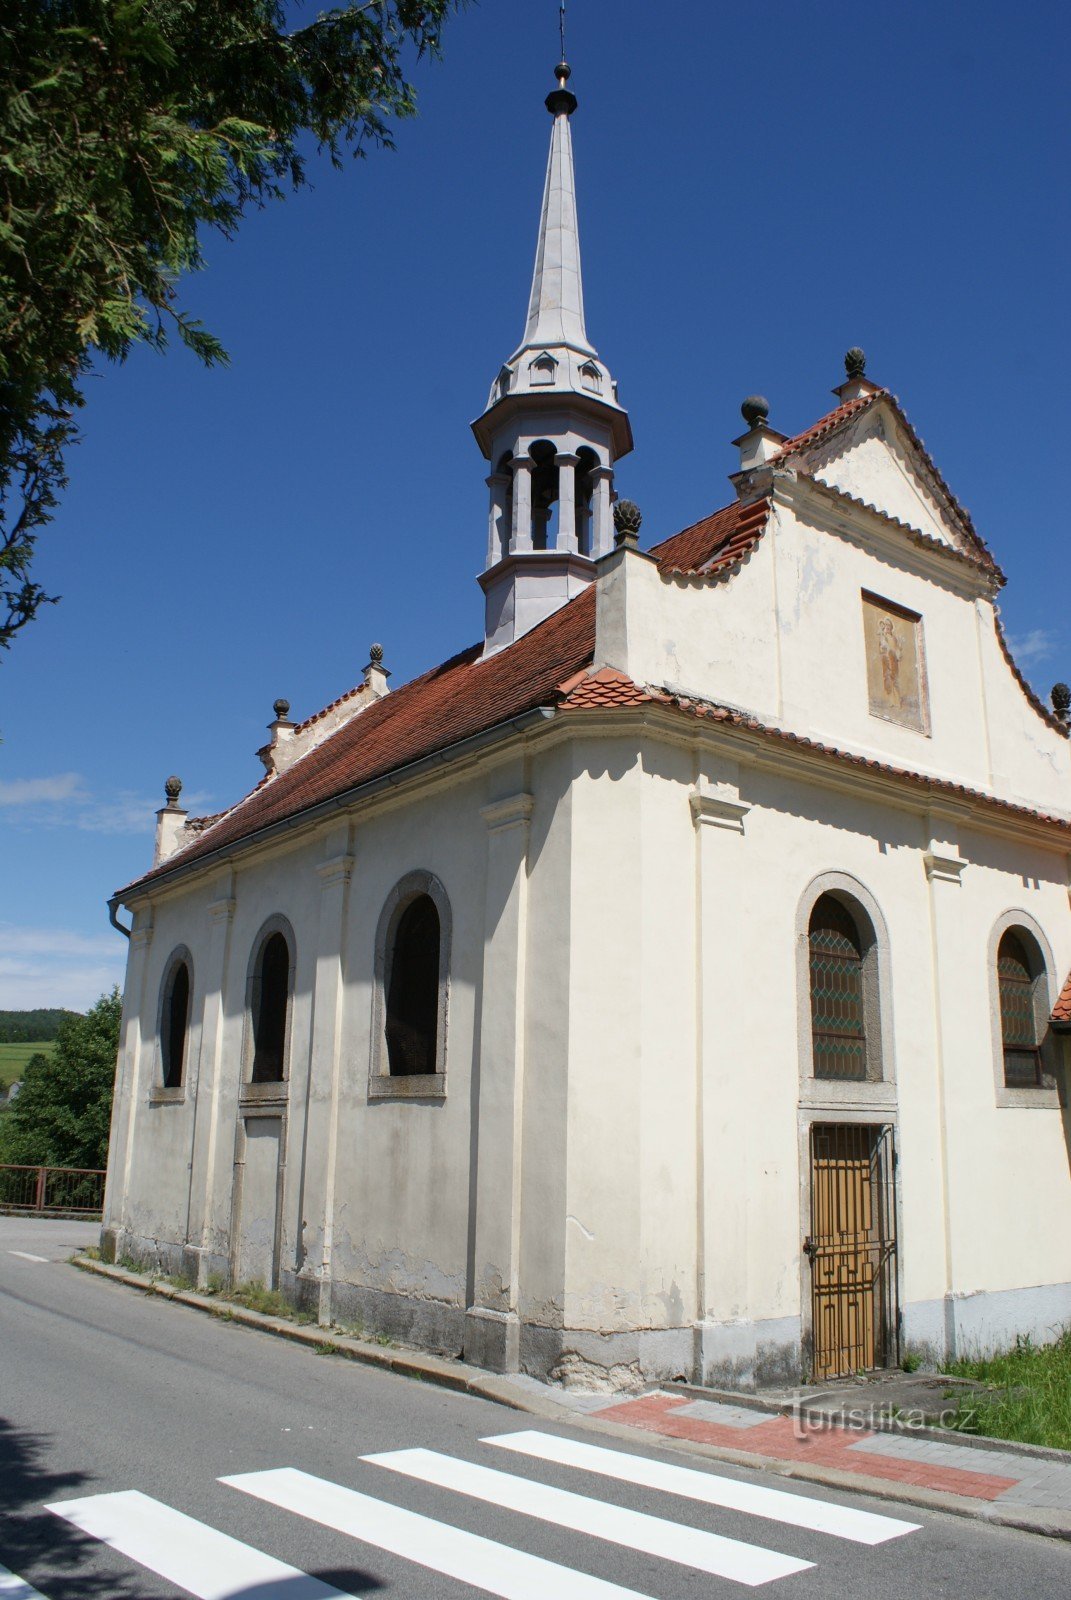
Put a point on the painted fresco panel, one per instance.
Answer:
(895, 666)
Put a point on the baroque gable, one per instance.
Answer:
(874, 457)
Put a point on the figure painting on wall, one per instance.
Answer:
(896, 678)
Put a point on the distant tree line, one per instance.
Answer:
(32, 1027)
(63, 1111)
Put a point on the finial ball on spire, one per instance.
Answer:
(855, 362)
(281, 709)
(563, 72)
(755, 410)
(172, 789)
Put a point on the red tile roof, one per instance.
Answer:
(467, 695)
(716, 543)
(1061, 1011)
(463, 697)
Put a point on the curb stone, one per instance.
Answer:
(462, 1378)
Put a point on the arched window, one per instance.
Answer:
(838, 992)
(174, 1024)
(270, 1004)
(413, 990)
(1019, 969)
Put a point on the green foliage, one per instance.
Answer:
(62, 1113)
(31, 1027)
(127, 128)
(1031, 1400)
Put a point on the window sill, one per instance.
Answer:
(161, 1096)
(413, 1086)
(847, 1093)
(1040, 1097)
(259, 1094)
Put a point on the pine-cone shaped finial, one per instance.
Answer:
(855, 362)
(628, 519)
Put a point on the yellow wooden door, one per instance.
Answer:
(850, 1249)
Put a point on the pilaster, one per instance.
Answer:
(202, 1233)
(944, 867)
(722, 1123)
(320, 1155)
(566, 465)
(492, 1336)
(134, 1028)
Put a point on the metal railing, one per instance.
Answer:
(52, 1191)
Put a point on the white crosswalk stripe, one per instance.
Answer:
(496, 1568)
(800, 1511)
(636, 1530)
(213, 1566)
(206, 1563)
(12, 1587)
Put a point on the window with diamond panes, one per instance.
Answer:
(1018, 1015)
(838, 1027)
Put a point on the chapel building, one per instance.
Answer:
(672, 983)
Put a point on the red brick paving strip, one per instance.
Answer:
(784, 1439)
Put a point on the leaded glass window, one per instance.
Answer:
(1018, 1017)
(838, 1018)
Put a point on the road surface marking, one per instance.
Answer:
(635, 1530)
(24, 1255)
(206, 1563)
(468, 1557)
(12, 1587)
(863, 1527)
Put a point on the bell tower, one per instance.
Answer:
(553, 427)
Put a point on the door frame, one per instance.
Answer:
(873, 1116)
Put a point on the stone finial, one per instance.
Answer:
(375, 673)
(1061, 700)
(755, 410)
(170, 823)
(855, 362)
(282, 709)
(628, 519)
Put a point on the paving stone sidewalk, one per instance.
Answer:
(1003, 1478)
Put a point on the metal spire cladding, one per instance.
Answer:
(556, 304)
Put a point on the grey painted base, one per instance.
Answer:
(579, 1358)
(728, 1355)
(967, 1325)
(748, 1355)
(493, 1339)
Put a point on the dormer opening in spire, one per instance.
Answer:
(553, 426)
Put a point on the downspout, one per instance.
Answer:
(113, 917)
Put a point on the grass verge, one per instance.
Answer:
(1031, 1402)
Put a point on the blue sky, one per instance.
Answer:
(759, 188)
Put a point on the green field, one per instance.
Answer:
(13, 1058)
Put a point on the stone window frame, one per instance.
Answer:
(414, 1086)
(877, 1093)
(277, 1090)
(160, 1093)
(1046, 1094)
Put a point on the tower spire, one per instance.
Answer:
(553, 427)
(556, 304)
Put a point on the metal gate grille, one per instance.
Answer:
(852, 1248)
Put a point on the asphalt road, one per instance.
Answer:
(103, 1392)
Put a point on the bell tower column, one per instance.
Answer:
(498, 531)
(566, 465)
(521, 537)
(602, 520)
